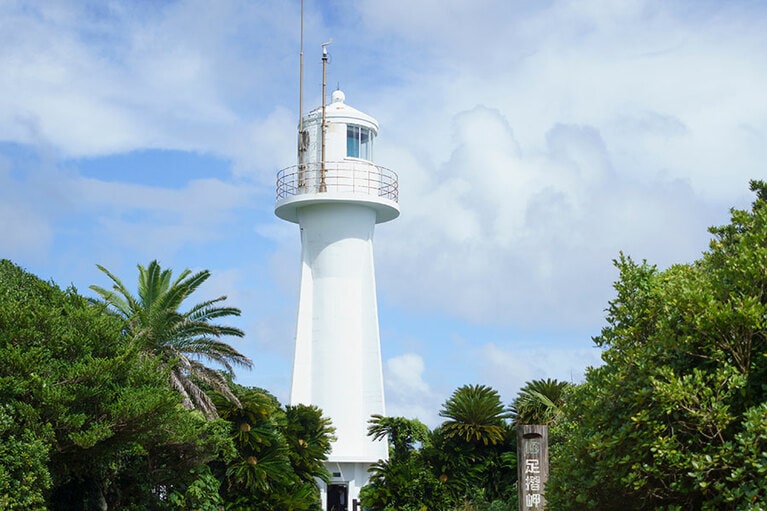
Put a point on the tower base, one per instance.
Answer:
(343, 491)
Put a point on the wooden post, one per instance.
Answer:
(532, 466)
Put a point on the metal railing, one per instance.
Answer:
(356, 176)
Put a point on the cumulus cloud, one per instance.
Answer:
(99, 78)
(151, 220)
(613, 68)
(405, 374)
(534, 141)
(24, 233)
(505, 235)
(596, 129)
(407, 393)
(507, 368)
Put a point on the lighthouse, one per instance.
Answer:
(337, 194)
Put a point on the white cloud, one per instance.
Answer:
(155, 221)
(591, 64)
(405, 374)
(507, 368)
(95, 79)
(533, 142)
(506, 235)
(23, 232)
(407, 393)
(266, 147)
(597, 128)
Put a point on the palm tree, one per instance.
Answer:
(405, 481)
(539, 402)
(402, 434)
(475, 413)
(182, 340)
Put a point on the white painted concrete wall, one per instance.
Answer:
(338, 358)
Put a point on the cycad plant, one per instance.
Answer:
(279, 453)
(184, 341)
(474, 413)
(539, 402)
(468, 448)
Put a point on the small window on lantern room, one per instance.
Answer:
(359, 142)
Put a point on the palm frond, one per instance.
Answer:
(538, 402)
(475, 413)
(182, 340)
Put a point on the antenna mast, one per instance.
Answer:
(301, 142)
(301, 81)
(323, 186)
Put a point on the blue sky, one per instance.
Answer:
(533, 141)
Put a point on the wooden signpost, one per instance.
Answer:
(532, 466)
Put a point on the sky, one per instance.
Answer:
(534, 142)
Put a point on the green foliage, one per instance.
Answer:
(309, 436)
(85, 414)
(401, 433)
(745, 485)
(279, 453)
(24, 476)
(467, 463)
(675, 419)
(539, 402)
(199, 495)
(405, 481)
(466, 467)
(475, 414)
(172, 459)
(179, 339)
(404, 484)
(262, 461)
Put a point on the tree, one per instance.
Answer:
(468, 446)
(182, 340)
(81, 407)
(471, 472)
(404, 482)
(309, 436)
(279, 453)
(676, 418)
(538, 402)
(474, 413)
(473, 451)
(467, 463)
(262, 464)
(24, 475)
(401, 433)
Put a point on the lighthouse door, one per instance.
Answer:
(338, 497)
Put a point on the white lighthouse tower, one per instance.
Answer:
(336, 194)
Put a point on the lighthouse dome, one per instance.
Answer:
(338, 112)
(338, 96)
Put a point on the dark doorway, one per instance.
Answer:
(338, 497)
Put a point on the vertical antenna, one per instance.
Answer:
(301, 148)
(323, 186)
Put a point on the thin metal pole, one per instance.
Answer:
(301, 148)
(323, 185)
(301, 74)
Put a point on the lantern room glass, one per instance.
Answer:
(359, 142)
